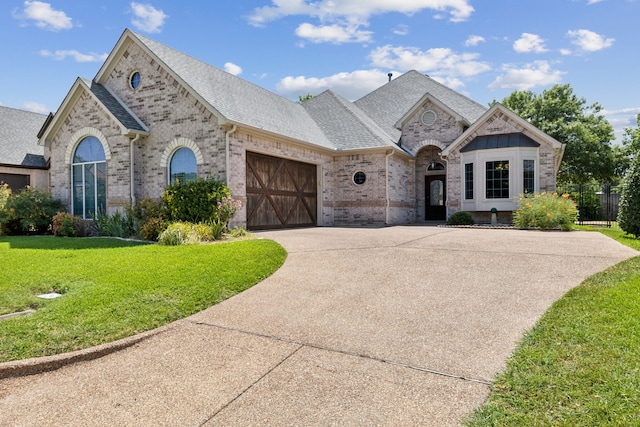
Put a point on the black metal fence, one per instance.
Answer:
(597, 203)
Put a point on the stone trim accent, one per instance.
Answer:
(432, 142)
(179, 143)
(81, 134)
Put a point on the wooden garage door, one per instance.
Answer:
(280, 193)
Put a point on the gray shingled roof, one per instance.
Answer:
(18, 138)
(238, 100)
(116, 107)
(346, 125)
(387, 104)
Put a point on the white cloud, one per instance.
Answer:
(566, 52)
(340, 21)
(401, 30)
(474, 40)
(335, 33)
(59, 55)
(459, 10)
(147, 18)
(590, 2)
(632, 110)
(232, 68)
(45, 17)
(588, 41)
(538, 73)
(441, 62)
(351, 85)
(35, 107)
(529, 43)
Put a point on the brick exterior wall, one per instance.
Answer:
(445, 129)
(87, 114)
(173, 114)
(170, 112)
(499, 123)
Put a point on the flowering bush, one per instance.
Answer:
(545, 211)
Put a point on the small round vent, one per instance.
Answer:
(359, 178)
(429, 118)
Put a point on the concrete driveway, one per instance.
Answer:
(389, 326)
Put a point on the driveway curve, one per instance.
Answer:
(384, 326)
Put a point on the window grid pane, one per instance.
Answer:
(497, 179)
(528, 176)
(183, 167)
(468, 181)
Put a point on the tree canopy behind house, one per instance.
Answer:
(568, 118)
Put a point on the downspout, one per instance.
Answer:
(227, 136)
(131, 159)
(386, 159)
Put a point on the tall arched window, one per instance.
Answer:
(89, 178)
(183, 167)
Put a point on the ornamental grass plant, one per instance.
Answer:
(546, 211)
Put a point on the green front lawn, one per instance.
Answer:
(580, 365)
(114, 289)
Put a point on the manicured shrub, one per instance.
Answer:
(194, 201)
(461, 218)
(545, 211)
(150, 218)
(29, 211)
(629, 206)
(65, 224)
(151, 228)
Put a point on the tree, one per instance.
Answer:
(587, 134)
(630, 146)
(629, 207)
(306, 97)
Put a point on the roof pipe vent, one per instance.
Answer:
(390, 75)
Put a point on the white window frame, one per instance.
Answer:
(515, 156)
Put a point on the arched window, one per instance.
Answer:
(183, 167)
(89, 178)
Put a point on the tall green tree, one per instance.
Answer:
(568, 118)
(629, 207)
(631, 140)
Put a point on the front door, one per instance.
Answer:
(435, 198)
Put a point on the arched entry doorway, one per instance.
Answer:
(435, 192)
(431, 184)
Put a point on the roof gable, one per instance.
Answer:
(111, 105)
(532, 132)
(232, 99)
(390, 104)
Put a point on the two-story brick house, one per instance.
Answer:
(411, 151)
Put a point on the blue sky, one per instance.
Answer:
(483, 48)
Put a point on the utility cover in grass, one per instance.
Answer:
(50, 295)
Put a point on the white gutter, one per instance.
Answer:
(386, 159)
(227, 136)
(131, 158)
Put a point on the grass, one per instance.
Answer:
(113, 288)
(580, 364)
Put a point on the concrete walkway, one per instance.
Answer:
(391, 326)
